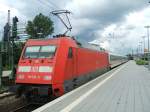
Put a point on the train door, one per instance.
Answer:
(70, 69)
(74, 62)
(70, 63)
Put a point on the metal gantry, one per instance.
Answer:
(7, 45)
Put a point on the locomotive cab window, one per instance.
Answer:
(70, 53)
(40, 51)
(47, 51)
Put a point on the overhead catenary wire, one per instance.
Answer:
(48, 4)
(42, 5)
(52, 4)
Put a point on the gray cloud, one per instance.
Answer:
(88, 18)
(104, 12)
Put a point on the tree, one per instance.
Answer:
(40, 27)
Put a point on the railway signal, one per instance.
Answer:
(14, 27)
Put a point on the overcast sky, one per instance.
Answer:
(117, 25)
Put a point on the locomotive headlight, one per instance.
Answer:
(48, 77)
(45, 69)
(24, 68)
(20, 76)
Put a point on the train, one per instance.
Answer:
(53, 67)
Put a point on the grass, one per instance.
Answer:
(3, 88)
(141, 62)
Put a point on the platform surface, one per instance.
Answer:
(6, 73)
(124, 89)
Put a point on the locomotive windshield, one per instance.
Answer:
(40, 51)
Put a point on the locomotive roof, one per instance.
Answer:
(90, 46)
(80, 43)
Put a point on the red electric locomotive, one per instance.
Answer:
(55, 66)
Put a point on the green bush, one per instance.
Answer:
(3, 88)
(141, 62)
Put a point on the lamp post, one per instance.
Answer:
(147, 27)
(139, 46)
(143, 43)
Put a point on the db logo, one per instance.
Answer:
(34, 69)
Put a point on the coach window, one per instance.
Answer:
(70, 53)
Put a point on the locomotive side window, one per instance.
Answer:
(40, 51)
(70, 53)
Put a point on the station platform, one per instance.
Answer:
(123, 89)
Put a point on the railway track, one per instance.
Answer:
(5, 94)
(1, 92)
(10, 103)
(27, 108)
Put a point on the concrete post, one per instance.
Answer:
(1, 70)
(149, 60)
